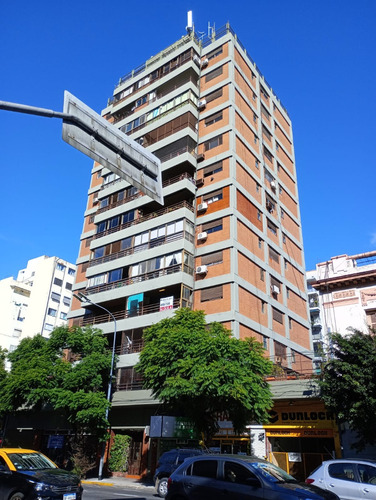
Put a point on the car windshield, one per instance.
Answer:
(273, 473)
(30, 461)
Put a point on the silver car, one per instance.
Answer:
(350, 479)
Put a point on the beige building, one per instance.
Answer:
(37, 301)
(228, 239)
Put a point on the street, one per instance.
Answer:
(95, 492)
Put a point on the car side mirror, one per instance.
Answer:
(253, 481)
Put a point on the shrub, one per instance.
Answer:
(119, 453)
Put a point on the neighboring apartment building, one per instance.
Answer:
(228, 239)
(37, 301)
(342, 295)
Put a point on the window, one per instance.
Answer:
(212, 293)
(214, 53)
(342, 470)
(263, 303)
(102, 227)
(55, 297)
(68, 286)
(203, 468)
(260, 242)
(58, 282)
(114, 222)
(63, 316)
(290, 324)
(210, 120)
(17, 333)
(287, 293)
(282, 213)
(273, 255)
(262, 274)
(214, 95)
(263, 92)
(128, 217)
(98, 252)
(213, 74)
(60, 266)
(277, 316)
(66, 301)
(276, 146)
(265, 343)
(272, 227)
(212, 258)
(213, 197)
(279, 350)
(258, 215)
(367, 473)
(213, 169)
(115, 275)
(237, 473)
(48, 327)
(212, 227)
(71, 271)
(213, 143)
(104, 202)
(257, 163)
(52, 312)
(267, 154)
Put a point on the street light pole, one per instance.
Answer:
(83, 298)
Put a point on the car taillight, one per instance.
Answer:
(169, 481)
(309, 481)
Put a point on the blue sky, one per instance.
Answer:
(319, 57)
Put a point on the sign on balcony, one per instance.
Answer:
(166, 303)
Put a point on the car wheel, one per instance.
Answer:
(162, 487)
(17, 496)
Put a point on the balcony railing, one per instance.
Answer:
(130, 386)
(143, 218)
(134, 347)
(165, 183)
(140, 278)
(145, 246)
(119, 315)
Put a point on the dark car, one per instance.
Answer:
(168, 462)
(235, 477)
(30, 475)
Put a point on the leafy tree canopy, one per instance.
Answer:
(348, 384)
(42, 376)
(200, 370)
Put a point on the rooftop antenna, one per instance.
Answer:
(189, 26)
(211, 31)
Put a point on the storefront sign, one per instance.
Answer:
(312, 433)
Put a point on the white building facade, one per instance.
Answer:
(37, 301)
(341, 297)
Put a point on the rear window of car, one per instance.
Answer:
(203, 468)
(342, 470)
(168, 458)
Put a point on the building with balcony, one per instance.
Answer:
(341, 296)
(37, 301)
(228, 239)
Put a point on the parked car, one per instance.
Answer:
(30, 475)
(350, 479)
(167, 463)
(235, 477)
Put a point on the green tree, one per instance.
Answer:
(43, 376)
(199, 370)
(348, 384)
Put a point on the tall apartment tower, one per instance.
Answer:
(228, 239)
(37, 301)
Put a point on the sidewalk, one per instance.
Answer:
(122, 482)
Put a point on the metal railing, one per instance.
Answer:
(106, 318)
(143, 218)
(140, 278)
(145, 246)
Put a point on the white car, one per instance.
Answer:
(350, 479)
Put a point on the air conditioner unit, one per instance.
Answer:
(201, 269)
(275, 289)
(273, 186)
(201, 207)
(96, 201)
(200, 157)
(201, 104)
(197, 59)
(204, 62)
(202, 236)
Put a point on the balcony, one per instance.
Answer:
(146, 217)
(92, 319)
(140, 278)
(145, 246)
(165, 183)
